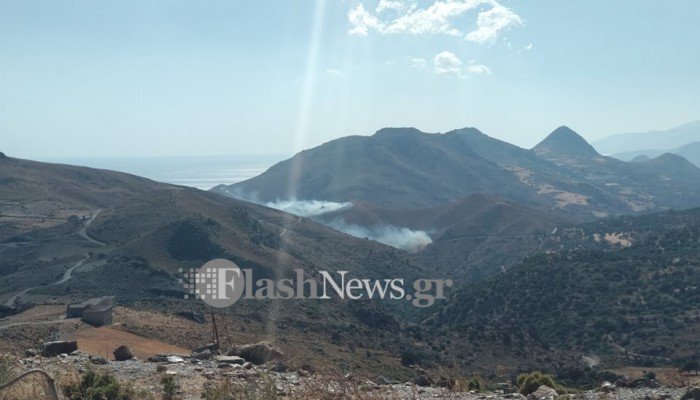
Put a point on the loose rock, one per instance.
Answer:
(123, 353)
(257, 353)
(53, 349)
(542, 393)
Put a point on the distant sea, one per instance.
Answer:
(199, 172)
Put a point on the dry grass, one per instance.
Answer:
(32, 387)
(667, 376)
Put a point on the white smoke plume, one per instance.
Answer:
(401, 238)
(308, 208)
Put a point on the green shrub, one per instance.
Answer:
(7, 366)
(101, 386)
(263, 388)
(169, 387)
(692, 365)
(528, 383)
(474, 384)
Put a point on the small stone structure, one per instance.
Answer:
(96, 312)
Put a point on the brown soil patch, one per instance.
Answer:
(104, 340)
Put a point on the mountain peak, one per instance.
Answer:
(564, 141)
(640, 159)
(672, 159)
(467, 131)
(396, 131)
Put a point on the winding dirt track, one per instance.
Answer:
(69, 272)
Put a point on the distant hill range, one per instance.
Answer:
(690, 152)
(683, 140)
(406, 168)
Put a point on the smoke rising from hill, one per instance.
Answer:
(307, 208)
(401, 238)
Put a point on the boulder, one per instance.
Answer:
(229, 360)
(422, 380)
(196, 316)
(279, 367)
(97, 360)
(202, 355)
(123, 353)
(543, 392)
(257, 353)
(30, 353)
(212, 347)
(53, 349)
(607, 387)
(158, 358)
(645, 383)
(623, 382)
(692, 394)
(445, 381)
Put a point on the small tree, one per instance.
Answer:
(690, 366)
(528, 383)
(474, 384)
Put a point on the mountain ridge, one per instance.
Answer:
(406, 168)
(663, 139)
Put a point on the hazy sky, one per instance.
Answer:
(143, 77)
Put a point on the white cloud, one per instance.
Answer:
(418, 62)
(491, 22)
(448, 63)
(385, 5)
(528, 47)
(478, 69)
(438, 18)
(334, 72)
(362, 21)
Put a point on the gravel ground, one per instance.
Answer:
(193, 375)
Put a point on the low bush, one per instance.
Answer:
(528, 383)
(96, 385)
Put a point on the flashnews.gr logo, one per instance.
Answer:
(221, 283)
(218, 283)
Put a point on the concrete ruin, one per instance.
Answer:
(97, 311)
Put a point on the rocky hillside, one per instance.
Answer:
(406, 168)
(622, 291)
(72, 233)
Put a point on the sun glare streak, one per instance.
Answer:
(307, 93)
